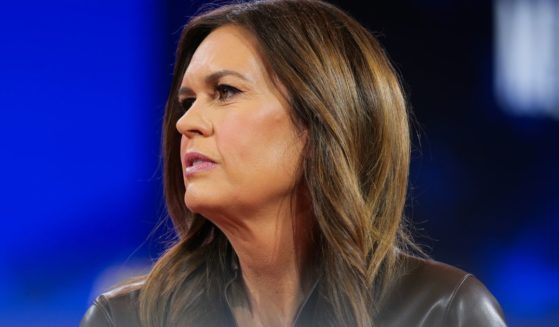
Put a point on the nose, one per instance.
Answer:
(194, 123)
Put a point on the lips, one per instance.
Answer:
(197, 162)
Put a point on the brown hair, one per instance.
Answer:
(343, 90)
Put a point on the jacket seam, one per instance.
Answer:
(100, 303)
(304, 303)
(453, 296)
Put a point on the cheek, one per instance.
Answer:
(240, 141)
(258, 144)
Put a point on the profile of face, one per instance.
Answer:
(239, 119)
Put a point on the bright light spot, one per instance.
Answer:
(527, 56)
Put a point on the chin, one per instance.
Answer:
(203, 204)
(194, 203)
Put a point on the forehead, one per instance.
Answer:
(227, 48)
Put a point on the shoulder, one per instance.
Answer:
(115, 308)
(436, 294)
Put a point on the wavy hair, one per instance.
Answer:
(344, 91)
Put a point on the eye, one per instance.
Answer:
(224, 91)
(186, 103)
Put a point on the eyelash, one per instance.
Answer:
(223, 92)
(186, 103)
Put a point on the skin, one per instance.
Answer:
(241, 120)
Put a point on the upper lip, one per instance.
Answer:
(192, 156)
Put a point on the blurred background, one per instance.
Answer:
(82, 91)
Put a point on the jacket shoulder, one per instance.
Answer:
(431, 293)
(471, 304)
(115, 308)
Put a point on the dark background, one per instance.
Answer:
(82, 93)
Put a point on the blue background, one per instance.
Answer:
(83, 85)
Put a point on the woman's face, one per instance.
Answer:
(240, 120)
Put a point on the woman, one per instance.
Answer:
(286, 152)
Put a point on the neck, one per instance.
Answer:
(274, 256)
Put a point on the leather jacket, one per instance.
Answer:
(426, 293)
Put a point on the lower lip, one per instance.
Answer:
(199, 167)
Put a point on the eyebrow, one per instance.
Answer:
(213, 78)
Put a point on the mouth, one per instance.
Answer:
(196, 162)
(195, 158)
